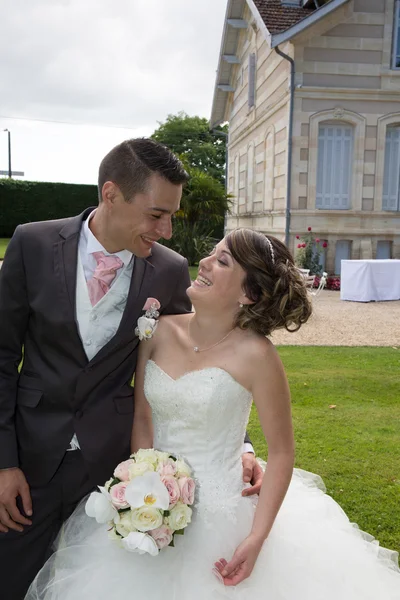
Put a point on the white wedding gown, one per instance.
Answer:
(312, 553)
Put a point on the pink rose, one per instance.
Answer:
(299, 245)
(303, 245)
(309, 228)
(318, 240)
(117, 493)
(187, 487)
(167, 467)
(325, 244)
(122, 470)
(173, 489)
(149, 303)
(162, 536)
(297, 237)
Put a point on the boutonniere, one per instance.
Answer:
(147, 324)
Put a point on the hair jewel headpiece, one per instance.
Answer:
(271, 249)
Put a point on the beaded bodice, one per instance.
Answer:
(202, 416)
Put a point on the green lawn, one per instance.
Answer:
(355, 447)
(193, 272)
(3, 246)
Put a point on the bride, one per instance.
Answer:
(195, 382)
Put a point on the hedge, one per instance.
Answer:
(27, 201)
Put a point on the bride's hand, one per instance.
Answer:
(242, 562)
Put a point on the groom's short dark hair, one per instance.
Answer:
(130, 164)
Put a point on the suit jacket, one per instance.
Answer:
(59, 392)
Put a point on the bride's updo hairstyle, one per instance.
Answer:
(272, 282)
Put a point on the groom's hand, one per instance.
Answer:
(252, 473)
(12, 485)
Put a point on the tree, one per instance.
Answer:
(192, 140)
(201, 215)
(200, 222)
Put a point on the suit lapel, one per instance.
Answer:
(65, 263)
(142, 276)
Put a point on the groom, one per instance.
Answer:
(71, 292)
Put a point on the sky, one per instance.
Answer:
(100, 71)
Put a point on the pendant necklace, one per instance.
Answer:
(197, 349)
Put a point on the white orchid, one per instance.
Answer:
(147, 490)
(100, 507)
(146, 327)
(141, 543)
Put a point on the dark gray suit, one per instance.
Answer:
(59, 392)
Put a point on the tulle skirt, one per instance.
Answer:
(313, 552)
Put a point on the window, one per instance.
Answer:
(252, 80)
(391, 174)
(343, 252)
(396, 37)
(250, 177)
(383, 250)
(335, 153)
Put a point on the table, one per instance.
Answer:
(370, 280)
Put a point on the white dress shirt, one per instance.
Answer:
(88, 244)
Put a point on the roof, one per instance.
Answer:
(278, 18)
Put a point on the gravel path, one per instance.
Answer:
(336, 322)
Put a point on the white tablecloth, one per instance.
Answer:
(369, 280)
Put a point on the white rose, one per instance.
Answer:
(140, 468)
(161, 457)
(182, 469)
(146, 518)
(179, 516)
(125, 525)
(147, 455)
(146, 328)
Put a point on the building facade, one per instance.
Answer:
(311, 91)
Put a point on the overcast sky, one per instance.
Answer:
(122, 63)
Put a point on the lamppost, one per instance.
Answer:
(9, 152)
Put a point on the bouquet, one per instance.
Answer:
(146, 502)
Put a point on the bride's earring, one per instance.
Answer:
(241, 305)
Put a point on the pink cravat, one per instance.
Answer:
(103, 276)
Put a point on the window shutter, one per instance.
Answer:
(252, 80)
(391, 176)
(250, 177)
(335, 153)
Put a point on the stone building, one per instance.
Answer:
(311, 90)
